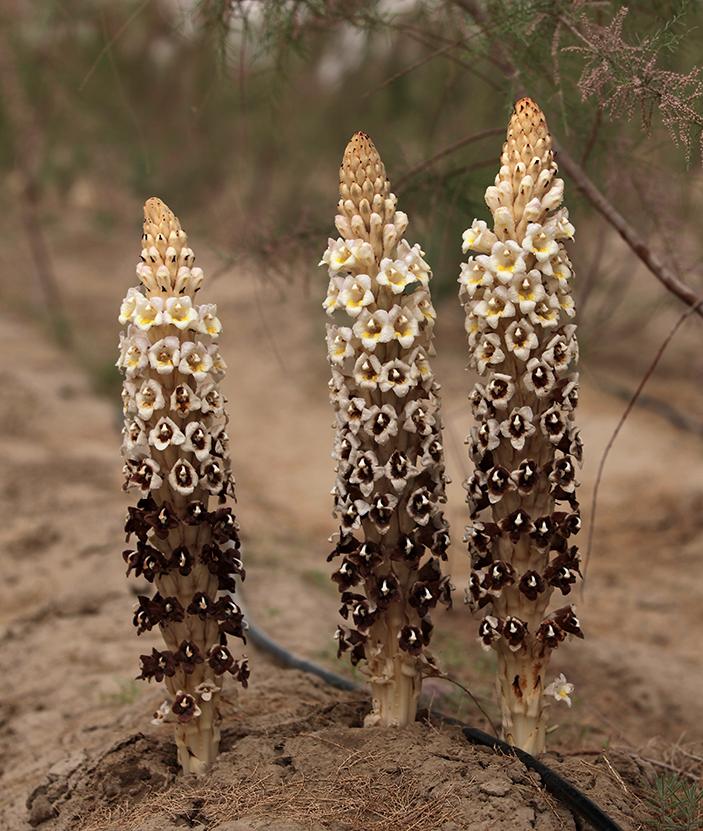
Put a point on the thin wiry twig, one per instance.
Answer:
(108, 44)
(419, 168)
(696, 307)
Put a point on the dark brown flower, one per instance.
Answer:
(231, 618)
(201, 606)
(567, 620)
(498, 575)
(188, 657)
(516, 524)
(195, 512)
(182, 560)
(543, 532)
(514, 632)
(349, 640)
(410, 639)
(387, 589)
(241, 672)
(224, 526)
(531, 584)
(185, 707)
(220, 659)
(347, 575)
(550, 634)
(489, 630)
(526, 476)
(157, 665)
(162, 520)
(498, 483)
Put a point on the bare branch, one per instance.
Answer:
(446, 152)
(659, 269)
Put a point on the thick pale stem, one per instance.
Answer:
(396, 686)
(520, 689)
(198, 741)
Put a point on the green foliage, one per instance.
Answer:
(674, 804)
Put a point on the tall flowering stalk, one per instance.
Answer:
(388, 448)
(175, 448)
(516, 290)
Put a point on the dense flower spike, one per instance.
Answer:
(176, 457)
(516, 291)
(388, 447)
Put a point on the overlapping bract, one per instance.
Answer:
(175, 448)
(388, 448)
(516, 291)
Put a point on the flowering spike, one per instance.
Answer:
(175, 448)
(516, 291)
(388, 448)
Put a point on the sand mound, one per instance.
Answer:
(296, 758)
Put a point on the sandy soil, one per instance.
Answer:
(73, 723)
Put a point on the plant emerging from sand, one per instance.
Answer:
(388, 447)
(516, 291)
(176, 455)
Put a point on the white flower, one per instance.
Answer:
(396, 376)
(183, 477)
(339, 346)
(420, 365)
(134, 443)
(539, 240)
(164, 433)
(527, 290)
(559, 266)
(195, 360)
(133, 353)
(210, 399)
(414, 257)
(184, 401)
(162, 714)
(395, 274)
(149, 398)
(206, 690)
(208, 321)
(563, 229)
(506, 259)
(219, 367)
(520, 339)
(179, 311)
(165, 354)
(347, 255)
(366, 371)
(129, 305)
(546, 312)
(373, 328)
(404, 326)
(495, 306)
(473, 276)
(331, 302)
(148, 312)
(356, 294)
(422, 303)
(380, 423)
(561, 689)
(488, 352)
(478, 238)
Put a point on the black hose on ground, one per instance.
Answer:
(569, 795)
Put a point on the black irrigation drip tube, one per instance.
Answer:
(561, 789)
